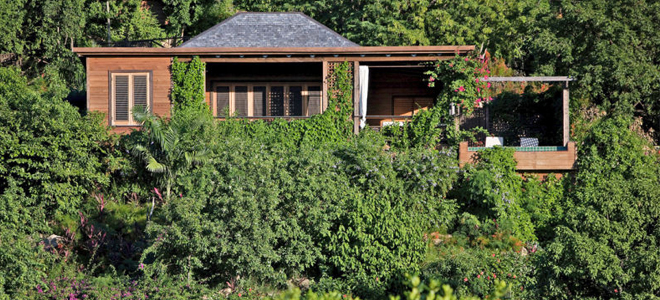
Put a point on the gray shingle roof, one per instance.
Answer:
(269, 30)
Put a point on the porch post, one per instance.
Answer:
(566, 115)
(356, 97)
(324, 84)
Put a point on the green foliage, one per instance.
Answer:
(353, 213)
(474, 264)
(491, 189)
(128, 21)
(420, 290)
(11, 18)
(188, 86)
(52, 158)
(191, 17)
(22, 265)
(461, 86)
(606, 244)
(166, 147)
(610, 47)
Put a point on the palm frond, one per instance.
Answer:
(154, 166)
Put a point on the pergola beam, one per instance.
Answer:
(529, 79)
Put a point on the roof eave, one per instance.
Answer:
(370, 50)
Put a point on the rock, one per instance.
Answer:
(304, 284)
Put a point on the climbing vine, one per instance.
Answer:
(188, 85)
(462, 89)
(462, 82)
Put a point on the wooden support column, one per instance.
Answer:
(324, 84)
(566, 115)
(356, 97)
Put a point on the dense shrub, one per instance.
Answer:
(355, 213)
(51, 158)
(606, 245)
(491, 189)
(476, 256)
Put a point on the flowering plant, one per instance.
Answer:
(462, 81)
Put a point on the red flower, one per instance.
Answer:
(493, 254)
(465, 279)
(616, 290)
(461, 88)
(478, 276)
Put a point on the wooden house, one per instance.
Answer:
(265, 66)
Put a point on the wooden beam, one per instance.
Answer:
(130, 51)
(319, 59)
(529, 79)
(324, 84)
(257, 59)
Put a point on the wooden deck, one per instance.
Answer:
(532, 161)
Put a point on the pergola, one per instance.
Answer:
(565, 96)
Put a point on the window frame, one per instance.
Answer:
(250, 98)
(111, 95)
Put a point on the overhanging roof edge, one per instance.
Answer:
(374, 50)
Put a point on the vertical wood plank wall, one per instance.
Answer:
(98, 83)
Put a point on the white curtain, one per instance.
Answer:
(364, 91)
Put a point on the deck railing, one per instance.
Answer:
(531, 159)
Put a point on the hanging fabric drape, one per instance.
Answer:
(364, 91)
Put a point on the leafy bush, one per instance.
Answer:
(355, 213)
(51, 157)
(473, 265)
(491, 189)
(188, 86)
(606, 245)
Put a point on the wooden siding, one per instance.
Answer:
(98, 83)
(543, 162)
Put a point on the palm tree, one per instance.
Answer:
(165, 150)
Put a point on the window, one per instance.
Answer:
(267, 99)
(128, 91)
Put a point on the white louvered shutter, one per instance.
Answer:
(122, 105)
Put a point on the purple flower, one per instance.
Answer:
(141, 266)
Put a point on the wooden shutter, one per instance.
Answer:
(122, 108)
(259, 106)
(295, 104)
(314, 100)
(276, 101)
(241, 100)
(140, 92)
(222, 99)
